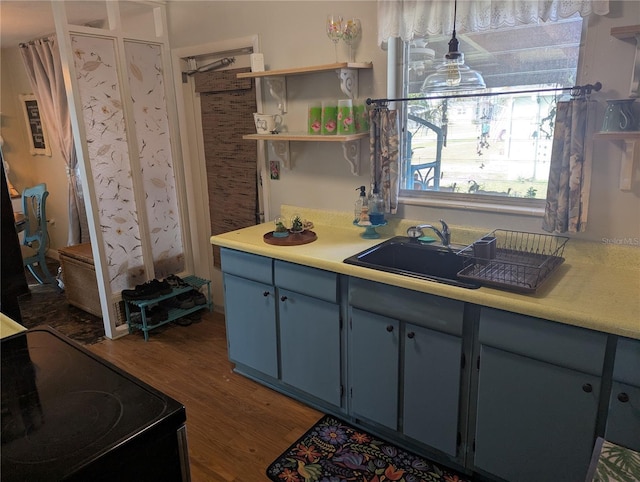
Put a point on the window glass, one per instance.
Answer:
(488, 145)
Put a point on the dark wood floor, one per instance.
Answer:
(235, 426)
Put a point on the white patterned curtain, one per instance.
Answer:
(42, 61)
(384, 139)
(419, 18)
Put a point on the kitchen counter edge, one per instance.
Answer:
(584, 294)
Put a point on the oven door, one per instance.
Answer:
(160, 454)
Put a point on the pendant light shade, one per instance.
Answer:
(452, 74)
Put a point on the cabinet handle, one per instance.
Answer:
(389, 328)
(283, 298)
(411, 335)
(587, 387)
(265, 293)
(623, 397)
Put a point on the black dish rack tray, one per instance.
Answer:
(519, 261)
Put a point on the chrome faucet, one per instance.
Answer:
(444, 235)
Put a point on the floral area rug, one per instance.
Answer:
(613, 463)
(334, 451)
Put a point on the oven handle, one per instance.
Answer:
(183, 452)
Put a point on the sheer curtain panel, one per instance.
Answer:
(419, 18)
(44, 69)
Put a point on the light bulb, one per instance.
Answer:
(453, 73)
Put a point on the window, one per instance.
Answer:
(487, 148)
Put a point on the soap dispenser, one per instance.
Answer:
(361, 211)
(376, 207)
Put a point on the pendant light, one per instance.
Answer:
(453, 75)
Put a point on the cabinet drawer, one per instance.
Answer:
(442, 314)
(246, 265)
(627, 366)
(563, 345)
(307, 281)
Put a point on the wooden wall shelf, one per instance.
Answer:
(306, 70)
(631, 139)
(276, 81)
(304, 137)
(628, 31)
(617, 136)
(631, 33)
(280, 142)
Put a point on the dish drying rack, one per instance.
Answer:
(513, 260)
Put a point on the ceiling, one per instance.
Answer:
(21, 21)
(24, 20)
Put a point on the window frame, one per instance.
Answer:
(397, 72)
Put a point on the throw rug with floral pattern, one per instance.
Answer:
(613, 463)
(334, 451)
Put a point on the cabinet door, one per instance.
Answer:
(623, 421)
(432, 387)
(535, 421)
(251, 324)
(310, 345)
(373, 367)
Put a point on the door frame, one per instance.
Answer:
(192, 145)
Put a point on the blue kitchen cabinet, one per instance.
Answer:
(623, 421)
(537, 401)
(432, 387)
(310, 331)
(374, 342)
(250, 311)
(283, 326)
(405, 352)
(498, 393)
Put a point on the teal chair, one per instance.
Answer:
(36, 239)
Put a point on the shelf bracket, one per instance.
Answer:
(281, 152)
(351, 150)
(631, 148)
(349, 82)
(278, 90)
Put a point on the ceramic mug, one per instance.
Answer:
(267, 123)
(618, 116)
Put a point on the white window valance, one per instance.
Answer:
(408, 19)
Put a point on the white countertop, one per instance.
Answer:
(9, 327)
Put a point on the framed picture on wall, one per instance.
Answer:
(38, 140)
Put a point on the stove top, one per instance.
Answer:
(63, 407)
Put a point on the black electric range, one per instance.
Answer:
(69, 415)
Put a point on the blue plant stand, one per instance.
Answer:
(370, 230)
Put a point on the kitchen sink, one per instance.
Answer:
(410, 257)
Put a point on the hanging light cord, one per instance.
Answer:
(453, 43)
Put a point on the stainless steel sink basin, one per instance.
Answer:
(409, 257)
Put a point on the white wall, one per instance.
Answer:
(292, 35)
